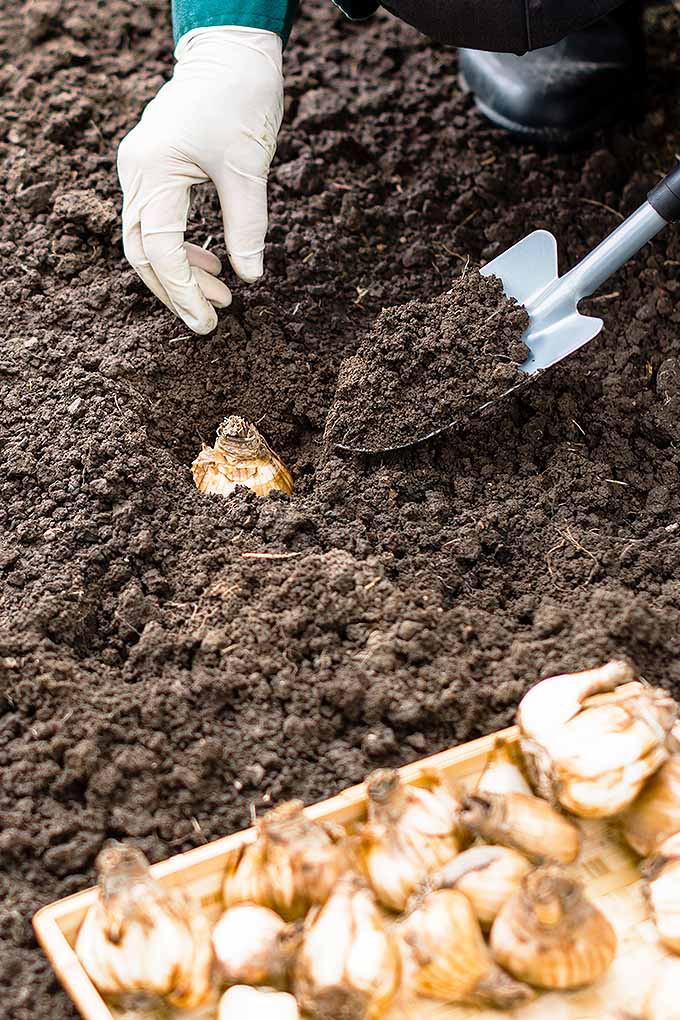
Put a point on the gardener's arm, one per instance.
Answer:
(216, 119)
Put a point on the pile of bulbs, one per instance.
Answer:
(458, 897)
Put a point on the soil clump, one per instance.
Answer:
(428, 364)
(157, 680)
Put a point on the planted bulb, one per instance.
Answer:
(241, 456)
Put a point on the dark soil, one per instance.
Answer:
(428, 364)
(155, 682)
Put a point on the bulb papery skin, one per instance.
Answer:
(254, 946)
(241, 456)
(661, 1000)
(524, 823)
(593, 759)
(348, 966)
(502, 772)
(654, 815)
(487, 875)
(292, 864)
(444, 955)
(244, 1003)
(552, 702)
(661, 873)
(550, 935)
(141, 937)
(411, 830)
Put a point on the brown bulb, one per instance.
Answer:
(551, 935)
(445, 957)
(293, 863)
(655, 813)
(523, 822)
(241, 456)
(412, 829)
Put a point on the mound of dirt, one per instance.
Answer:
(155, 681)
(428, 364)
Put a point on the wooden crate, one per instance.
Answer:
(606, 866)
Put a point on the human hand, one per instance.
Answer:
(216, 119)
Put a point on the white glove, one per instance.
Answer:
(216, 119)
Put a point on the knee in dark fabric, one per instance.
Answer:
(507, 26)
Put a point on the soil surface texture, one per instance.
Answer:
(428, 364)
(157, 679)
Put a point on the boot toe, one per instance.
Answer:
(555, 94)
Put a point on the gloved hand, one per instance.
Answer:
(216, 119)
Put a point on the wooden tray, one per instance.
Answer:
(607, 867)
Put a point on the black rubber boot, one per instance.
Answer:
(561, 93)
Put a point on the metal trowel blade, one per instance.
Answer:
(529, 274)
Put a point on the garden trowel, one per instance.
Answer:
(529, 273)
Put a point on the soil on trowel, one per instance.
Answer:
(429, 364)
(171, 661)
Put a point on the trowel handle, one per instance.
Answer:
(661, 208)
(665, 197)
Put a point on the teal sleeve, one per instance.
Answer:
(272, 15)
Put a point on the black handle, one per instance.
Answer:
(665, 197)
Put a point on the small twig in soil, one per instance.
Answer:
(196, 826)
(97, 129)
(593, 201)
(574, 422)
(269, 555)
(372, 583)
(308, 257)
(615, 481)
(467, 218)
(361, 294)
(567, 536)
(607, 297)
(208, 241)
(450, 251)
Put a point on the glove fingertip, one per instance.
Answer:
(221, 302)
(205, 323)
(248, 267)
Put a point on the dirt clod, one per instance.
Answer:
(85, 209)
(428, 364)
